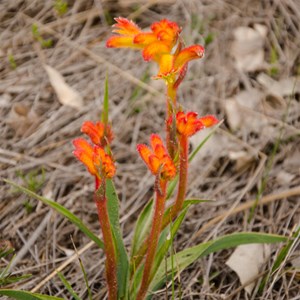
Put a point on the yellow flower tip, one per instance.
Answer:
(144, 38)
(121, 42)
(209, 120)
(165, 66)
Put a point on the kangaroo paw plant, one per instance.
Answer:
(151, 263)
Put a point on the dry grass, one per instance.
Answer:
(36, 134)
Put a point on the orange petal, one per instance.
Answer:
(144, 152)
(169, 169)
(121, 42)
(188, 54)
(166, 30)
(154, 164)
(209, 120)
(144, 39)
(125, 27)
(104, 161)
(84, 152)
(94, 131)
(188, 124)
(154, 50)
(155, 140)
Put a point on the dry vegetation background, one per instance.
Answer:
(248, 78)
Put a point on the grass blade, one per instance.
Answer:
(68, 286)
(142, 227)
(61, 210)
(22, 295)
(188, 256)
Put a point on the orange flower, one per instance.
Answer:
(157, 159)
(188, 124)
(97, 132)
(164, 34)
(94, 158)
(156, 45)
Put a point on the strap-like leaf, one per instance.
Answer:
(188, 256)
(142, 227)
(61, 210)
(122, 258)
(22, 295)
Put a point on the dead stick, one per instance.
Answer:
(264, 200)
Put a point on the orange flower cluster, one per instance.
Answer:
(188, 124)
(98, 163)
(99, 134)
(157, 159)
(156, 45)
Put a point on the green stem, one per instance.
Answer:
(171, 111)
(153, 237)
(109, 248)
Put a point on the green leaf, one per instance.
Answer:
(61, 210)
(165, 241)
(280, 257)
(122, 258)
(104, 117)
(164, 247)
(22, 295)
(68, 286)
(142, 227)
(188, 256)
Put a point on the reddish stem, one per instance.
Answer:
(109, 248)
(154, 236)
(183, 172)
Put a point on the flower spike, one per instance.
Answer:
(94, 158)
(188, 124)
(157, 159)
(161, 44)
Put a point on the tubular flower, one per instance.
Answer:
(157, 159)
(157, 45)
(188, 124)
(161, 39)
(97, 132)
(176, 63)
(94, 158)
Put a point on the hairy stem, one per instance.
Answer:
(183, 172)
(109, 248)
(154, 236)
